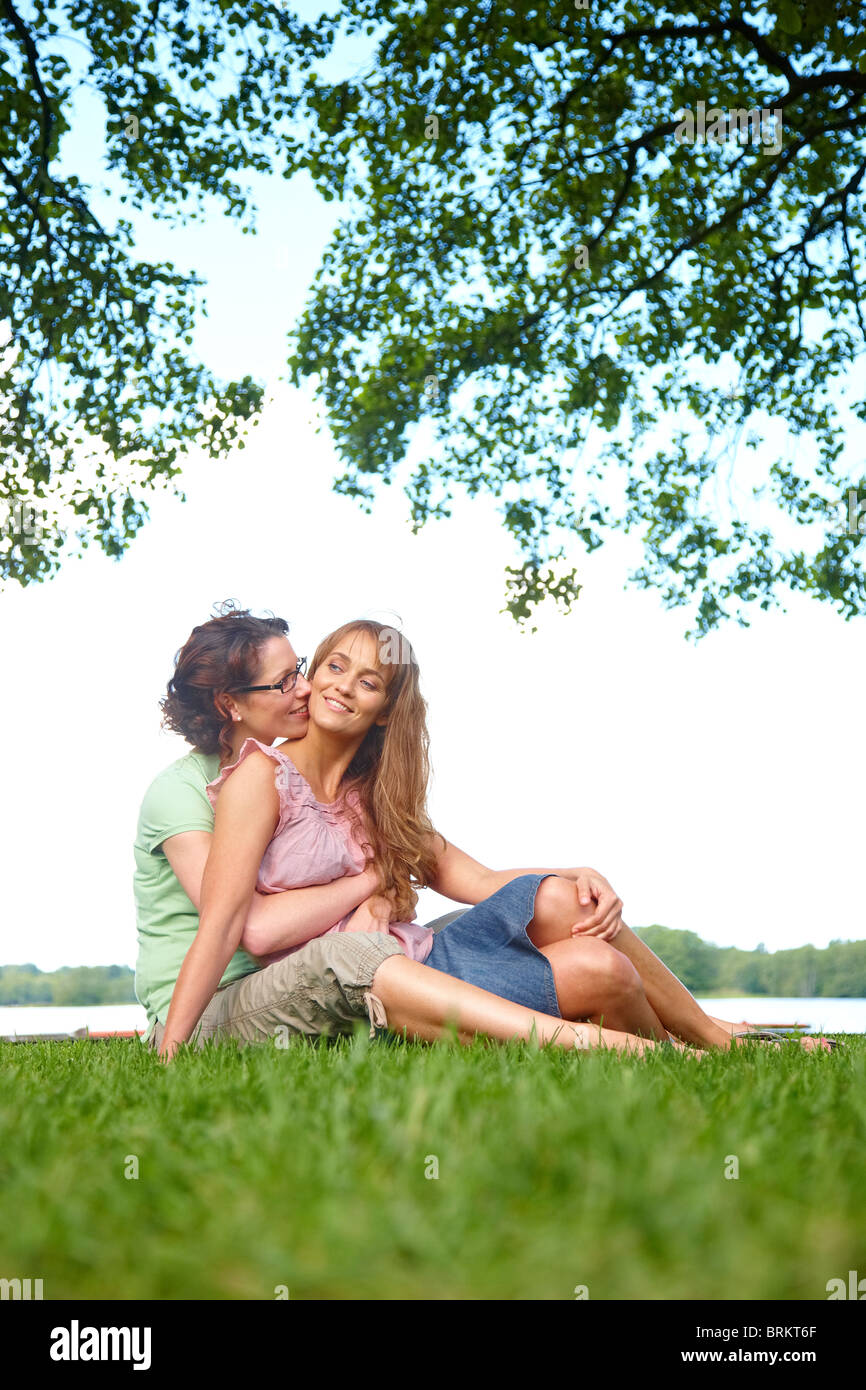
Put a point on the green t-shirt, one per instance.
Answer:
(175, 801)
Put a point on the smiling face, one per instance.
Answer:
(349, 693)
(268, 715)
(369, 741)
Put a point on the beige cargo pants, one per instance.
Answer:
(317, 991)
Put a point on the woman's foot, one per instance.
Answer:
(809, 1043)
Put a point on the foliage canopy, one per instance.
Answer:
(550, 251)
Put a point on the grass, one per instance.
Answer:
(305, 1168)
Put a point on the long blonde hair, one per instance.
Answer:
(385, 785)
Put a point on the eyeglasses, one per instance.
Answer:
(285, 685)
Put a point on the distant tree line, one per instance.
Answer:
(72, 984)
(838, 971)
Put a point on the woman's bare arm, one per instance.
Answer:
(247, 813)
(276, 921)
(464, 879)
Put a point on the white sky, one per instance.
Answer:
(718, 786)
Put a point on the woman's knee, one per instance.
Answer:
(601, 963)
(557, 900)
(555, 893)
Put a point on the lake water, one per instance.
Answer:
(46, 1018)
(829, 1015)
(820, 1015)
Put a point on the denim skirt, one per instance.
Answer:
(488, 946)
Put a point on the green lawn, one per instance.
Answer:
(305, 1168)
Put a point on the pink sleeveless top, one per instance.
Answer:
(313, 843)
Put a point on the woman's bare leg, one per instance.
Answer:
(595, 982)
(679, 1012)
(558, 909)
(426, 1003)
(684, 1015)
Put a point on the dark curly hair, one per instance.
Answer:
(217, 656)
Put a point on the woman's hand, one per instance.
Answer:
(606, 920)
(279, 922)
(375, 914)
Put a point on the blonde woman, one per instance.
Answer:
(336, 957)
(352, 792)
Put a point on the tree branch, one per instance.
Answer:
(33, 63)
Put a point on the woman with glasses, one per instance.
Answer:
(301, 960)
(290, 834)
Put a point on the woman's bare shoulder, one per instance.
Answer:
(254, 769)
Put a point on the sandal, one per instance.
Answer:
(771, 1035)
(762, 1035)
